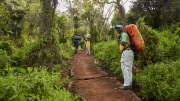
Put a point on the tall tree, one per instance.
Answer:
(11, 15)
(157, 12)
(94, 17)
(47, 15)
(46, 23)
(120, 7)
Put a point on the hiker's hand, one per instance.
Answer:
(123, 43)
(118, 39)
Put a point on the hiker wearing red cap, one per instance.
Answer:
(127, 57)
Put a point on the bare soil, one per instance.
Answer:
(93, 84)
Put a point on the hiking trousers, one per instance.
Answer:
(127, 59)
(87, 50)
(76, 49)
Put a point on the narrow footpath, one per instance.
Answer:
(93, 84)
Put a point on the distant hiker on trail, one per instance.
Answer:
(87, 45)
(76, 44)
(127, 57)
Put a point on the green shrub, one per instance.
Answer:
(169, 46)
(66, 50)
(2, 62)
(37, 54)
(174, 27)
(4, 59)
(35, 86)
(150, 53)
(7, 46)
(160, 82)
(177, 32)
(109, 55)
(82, 44)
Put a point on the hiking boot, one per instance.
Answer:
(126, 87)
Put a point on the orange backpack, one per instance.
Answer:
(136, 40)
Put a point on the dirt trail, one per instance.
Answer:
(93, 84)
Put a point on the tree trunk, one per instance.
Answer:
(121, 13)
(47, 15)
(46, 23)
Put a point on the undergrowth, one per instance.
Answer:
(34, 84)
(108, 56)
(160, 81)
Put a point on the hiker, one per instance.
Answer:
(76, 44)
(87, 45)
(127, 57)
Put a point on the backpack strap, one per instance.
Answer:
(126, 42)
(132, 46)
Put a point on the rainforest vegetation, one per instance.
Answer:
(36, 44)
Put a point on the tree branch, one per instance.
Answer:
(102, 2)
(125, 2)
